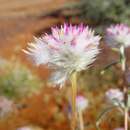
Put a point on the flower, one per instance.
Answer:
(6, 106)
(25, 128)
(115, 96)
(119, 129)
(81, 103)
(29, 127)
(65, 50)
(118, 35)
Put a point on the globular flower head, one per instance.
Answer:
(67, 49)
(6, 106)
(118, 35)
(81, 103)
(114, 96)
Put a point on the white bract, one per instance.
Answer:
(65, 50)
(118, 35)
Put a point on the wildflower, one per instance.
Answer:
(81, 103)
(118, 35)
(24, 128)
(29, 128)
(6, 106)
(17, 81)
(66, 50)
(119, 129)
(115, 96)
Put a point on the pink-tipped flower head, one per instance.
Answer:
(66, 49)
(115, 96)
(6, 106)
(118, 35)
(81, 103)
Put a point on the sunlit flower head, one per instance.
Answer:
(67, 49)
(118, 35)
(6, 106)
(81, 103)
(114, 96)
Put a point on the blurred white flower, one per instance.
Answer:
(6, 106)
(119, 129)
(115, 96)
(25, 128)
(30, 127)
(118, 35)
(67, 49)
(81, 103)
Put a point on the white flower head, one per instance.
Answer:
(25, 128)
(6, 106)
(119, 129)
(67, 49)
(115, 96)
(29, 127)
(118, 35)
(81, 103)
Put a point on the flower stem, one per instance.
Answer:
(102, 115)
(123, 58)
(74, 93)
(108, 66)
(81, 121)
(106, 111)
(125, 87)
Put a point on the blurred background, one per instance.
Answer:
(33, 101)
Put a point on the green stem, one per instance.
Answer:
(109, 65)
(103, 114)
(125, 88)
(107, 111)
(123, 58)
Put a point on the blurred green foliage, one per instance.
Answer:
(93, 80)
(16, 80)
(103, 11)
